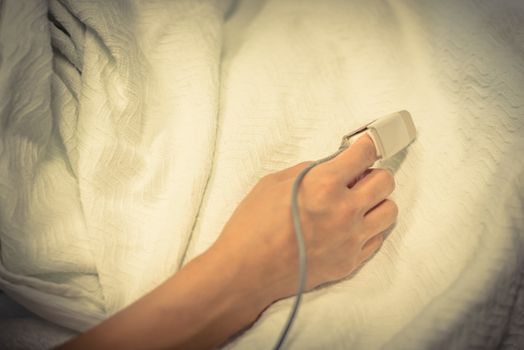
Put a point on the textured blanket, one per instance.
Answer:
(129, 132)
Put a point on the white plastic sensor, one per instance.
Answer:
(390, 134)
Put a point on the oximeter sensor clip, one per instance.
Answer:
(390, 134)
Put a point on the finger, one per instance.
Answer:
(373, 188)
(379, 219)
(371, 247)
(358, 178)
(355, 160)
(291, 172)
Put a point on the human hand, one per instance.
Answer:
(343, 210)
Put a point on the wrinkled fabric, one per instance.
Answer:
(131, 130)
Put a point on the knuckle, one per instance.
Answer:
(391, 210)
(318, 193)
(356, 239)
(369, 152)
(388, 179)
(378, 239)
(357, 203)
(365, 198)
(348, 210)
(394, 209)
(353, 210)
(324, 185)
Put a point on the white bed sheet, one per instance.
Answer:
(180, 108)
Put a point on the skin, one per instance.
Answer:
(344, 211)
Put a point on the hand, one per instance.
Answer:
(344, 212)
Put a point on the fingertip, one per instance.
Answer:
(366, 144)
(354, 160)
(360, 155)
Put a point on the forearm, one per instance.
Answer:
(201, 306)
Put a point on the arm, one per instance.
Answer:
(253, 263)
(198, 307)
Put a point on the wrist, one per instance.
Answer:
(243, 287)
(232, 298)
(255, 271)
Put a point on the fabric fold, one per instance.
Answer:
(109, 109)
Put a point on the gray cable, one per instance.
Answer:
(302, 261)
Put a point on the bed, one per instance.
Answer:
(129, 132)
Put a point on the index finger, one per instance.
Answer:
(352, 162)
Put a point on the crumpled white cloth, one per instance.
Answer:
(127, 146)
(107, 142)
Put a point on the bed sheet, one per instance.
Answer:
(159, 117)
